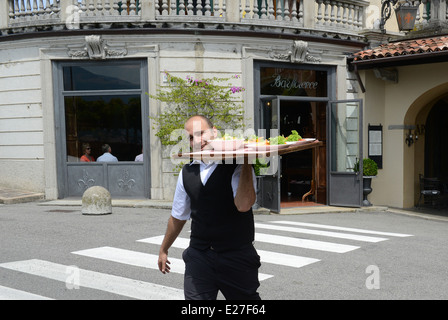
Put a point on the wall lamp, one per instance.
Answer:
(411, 138)
(404, 11)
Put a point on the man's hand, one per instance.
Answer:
(164, 262)
(172, 231)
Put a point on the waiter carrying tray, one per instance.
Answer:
(218, 198)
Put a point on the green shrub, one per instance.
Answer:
(369, 167)
(215, 98)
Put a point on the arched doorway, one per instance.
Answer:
(427, 113)
(436, 137)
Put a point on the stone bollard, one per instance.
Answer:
(96, 201)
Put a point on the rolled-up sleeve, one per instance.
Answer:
(181, 202)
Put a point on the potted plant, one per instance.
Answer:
(369, 170)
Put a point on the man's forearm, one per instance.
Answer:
(245, 196)
(172, 231)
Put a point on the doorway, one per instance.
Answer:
(436, 135)
(303, 177)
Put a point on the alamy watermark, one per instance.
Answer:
(73, 279)
(373, 280)
(72, 22)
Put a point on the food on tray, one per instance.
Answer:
(277, 140)
(294, 136)
(229, 143)
(254, 140)
(226, 143)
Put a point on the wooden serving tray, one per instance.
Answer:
(249, 153)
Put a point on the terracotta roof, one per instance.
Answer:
(407, 47)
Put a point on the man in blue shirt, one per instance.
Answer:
(107, 156)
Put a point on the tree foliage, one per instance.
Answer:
(214, 98)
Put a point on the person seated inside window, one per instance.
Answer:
(107, 154)
(86, 150)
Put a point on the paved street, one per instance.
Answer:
(55, 252)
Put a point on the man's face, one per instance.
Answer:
(200, 133)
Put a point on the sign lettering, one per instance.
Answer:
(283, 83)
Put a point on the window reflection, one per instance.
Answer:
(101, 77)
(97, 120)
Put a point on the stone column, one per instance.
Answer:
(4, 14)
(148, 10)
(233, 10)
(65, 12)
(308, 13)
(438, 11)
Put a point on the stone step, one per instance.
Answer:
(12, 196)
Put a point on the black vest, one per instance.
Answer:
(216, 222)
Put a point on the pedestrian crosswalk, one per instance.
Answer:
(298, 237)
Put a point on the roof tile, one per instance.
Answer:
(406, 47)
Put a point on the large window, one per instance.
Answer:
(102, 105)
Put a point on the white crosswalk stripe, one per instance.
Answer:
(265, 256)
(140, 259)
(304, 243)
(323, 226)
(320, 233)
(97, 280)
(14, 294)
(288, 234)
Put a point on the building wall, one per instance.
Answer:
(21, 126)
(28, 157)
(404, 103)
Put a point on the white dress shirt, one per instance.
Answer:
(181, 202)
(107, 157)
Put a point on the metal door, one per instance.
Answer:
(345, 149)
(269, 181)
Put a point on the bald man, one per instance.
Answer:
(218, 199)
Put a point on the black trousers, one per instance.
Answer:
(234, 273)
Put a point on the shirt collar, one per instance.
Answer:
(207, 163)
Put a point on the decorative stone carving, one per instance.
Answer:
(96, 49)
(299, 51)
(85, 182)
(298, 54)
(126, 183)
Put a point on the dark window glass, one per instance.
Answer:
(293, 82)
(97, 120)
(101, 77)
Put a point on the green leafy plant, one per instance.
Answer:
(213, 98)
(258, 165)
(369, 167)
